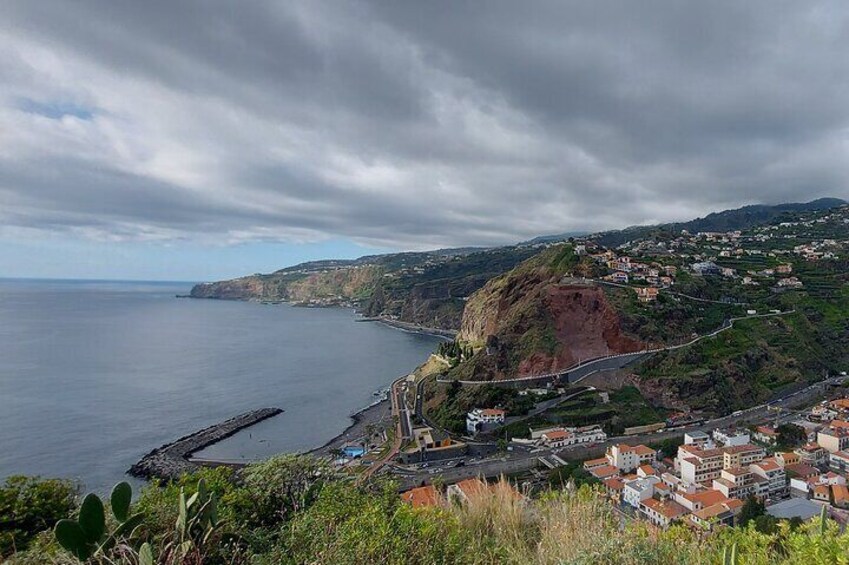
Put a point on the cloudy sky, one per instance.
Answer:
(203, 139)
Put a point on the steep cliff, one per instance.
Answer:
(428, 289)
(254, 287)
(537, 319)
(331, 286)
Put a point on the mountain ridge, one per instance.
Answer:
(430, 288)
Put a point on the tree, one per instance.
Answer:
(751, 510)
(281, 486)
(453, 389)
(766, 524)
(669, 446)
(790, 435)
(29, 505)
(574, 471)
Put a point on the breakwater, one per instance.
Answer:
(172, 459)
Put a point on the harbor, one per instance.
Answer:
(172, 460)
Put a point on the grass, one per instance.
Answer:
(627, 407)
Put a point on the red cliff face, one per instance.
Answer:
(540, 325)
(584, 325)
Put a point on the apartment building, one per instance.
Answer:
(812, 454)
(735, 483)
(839, 461)
(627, 458)
(773, 474)
(742, 455)
(698, 465)
(833, 439)
(636, 491)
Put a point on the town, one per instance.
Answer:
(786, 457)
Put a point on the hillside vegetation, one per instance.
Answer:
(288, 511)
(428, 288)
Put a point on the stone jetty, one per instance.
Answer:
(172, 459)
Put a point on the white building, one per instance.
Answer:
(480, 419)
(565, 437)
(700, 439)
(638, 490)
(731, 438)
(627, 458)
(774, 474)
(698, 465)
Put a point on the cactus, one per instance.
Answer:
(122, 496)
(197, 516)
(197, 521)
(87, 535)
(729, 557)
(146, 554)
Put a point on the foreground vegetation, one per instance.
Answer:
(291, 510)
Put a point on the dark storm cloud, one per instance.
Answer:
(413, 124)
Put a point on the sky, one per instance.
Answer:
(200, 139)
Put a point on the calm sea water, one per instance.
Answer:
(95, 374)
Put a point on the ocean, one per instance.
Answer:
(95, 374)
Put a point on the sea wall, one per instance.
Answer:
(172, 459)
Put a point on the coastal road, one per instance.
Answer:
(402, 415)
(610, 362)
(523, 459)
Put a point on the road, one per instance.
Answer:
(523, 459)
(400, 412)
(609, 362)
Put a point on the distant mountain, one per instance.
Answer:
(431, 287)
(553, 238)
(737, 219)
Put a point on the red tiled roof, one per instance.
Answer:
(472, 487)
(643, 450)
(421, 496)
(604, 472)
(742, 448)
(769, 464)
(706, 497)
(802, 470)
(591, 463)
(614, 483)
(668, 508)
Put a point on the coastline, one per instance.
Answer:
(375, 413)
(411, 327)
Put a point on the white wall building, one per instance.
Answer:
(731, 438)
(638, 490)
(480, 419)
